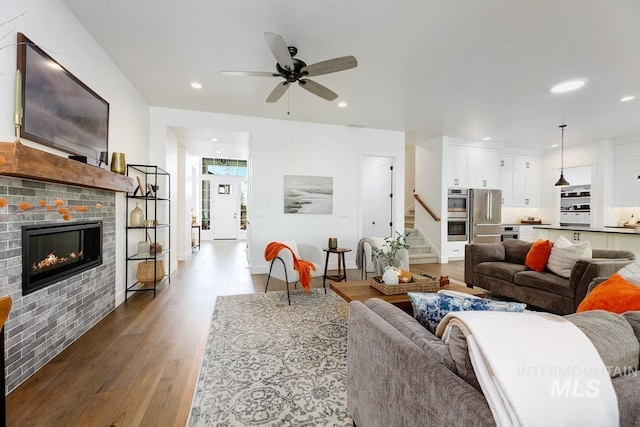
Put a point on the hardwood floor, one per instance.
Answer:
(139, 365)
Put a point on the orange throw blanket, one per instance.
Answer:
(303, 267)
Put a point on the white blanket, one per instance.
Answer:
(536, 369)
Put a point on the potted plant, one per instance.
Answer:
(387, 253)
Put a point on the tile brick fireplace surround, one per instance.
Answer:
(46, 320)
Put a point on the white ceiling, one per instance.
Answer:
(461, 68)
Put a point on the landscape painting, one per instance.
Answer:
(308, 194)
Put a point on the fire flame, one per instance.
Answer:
(52, 260)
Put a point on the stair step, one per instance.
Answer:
(429, 258)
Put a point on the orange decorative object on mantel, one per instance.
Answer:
(58, 205)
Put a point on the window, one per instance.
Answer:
(226, 167)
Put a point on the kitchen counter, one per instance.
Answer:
(510, 224)
(606, 229)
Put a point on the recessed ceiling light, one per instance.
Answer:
(214, 139)
(486, 138)
(627, 98)
(218, 152)
(568, 85)
(196, 85)
(555, 145)
(342, 104)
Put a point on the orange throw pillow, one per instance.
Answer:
(538, 255)
(615, 294)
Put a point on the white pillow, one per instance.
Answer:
(631, 272)
(564, 255)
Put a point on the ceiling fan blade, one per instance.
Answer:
(330, 66)
(278, 91)
(318, 89)
(250, 73)
(279, 49)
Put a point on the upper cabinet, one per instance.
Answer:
(520, 180)
(459, 167)
(626, 188)
(473, 167)
(483, 168)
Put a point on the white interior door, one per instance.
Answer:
(383, 199)
(225, 212)
(377, 203)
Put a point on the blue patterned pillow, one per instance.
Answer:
(429, 309)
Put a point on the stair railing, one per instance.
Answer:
(424, 205)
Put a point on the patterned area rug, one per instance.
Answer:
(267, 363)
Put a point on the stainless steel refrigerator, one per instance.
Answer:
(485, 214)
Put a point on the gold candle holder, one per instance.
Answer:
(118, 164)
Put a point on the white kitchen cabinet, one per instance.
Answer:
(626, 188)
(525, 162)
(506, 161)
(629, 151)
(597, 240)
(473, 167)
(455, 250)
(484, 168)
(459, 167)
(506, 185)
(520, 183)
(526, 233)
(627, 242)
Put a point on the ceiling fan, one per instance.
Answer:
(292, 70)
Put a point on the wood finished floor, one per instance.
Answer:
(139, 365)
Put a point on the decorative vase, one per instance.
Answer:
(390, 276)
(118, 165)
(333, 243)
(136, 217)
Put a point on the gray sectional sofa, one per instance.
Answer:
(499, 268)
(400, 374)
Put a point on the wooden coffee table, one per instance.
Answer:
(361, 291)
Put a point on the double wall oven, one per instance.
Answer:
(458, 215)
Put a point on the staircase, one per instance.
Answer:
(419, 250)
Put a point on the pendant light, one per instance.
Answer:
(562, 182)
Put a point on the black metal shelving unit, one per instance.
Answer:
(156, 208)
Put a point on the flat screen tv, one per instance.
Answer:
(58, 109)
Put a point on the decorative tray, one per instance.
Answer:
(418, 283)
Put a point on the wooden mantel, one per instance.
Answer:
(26, 162)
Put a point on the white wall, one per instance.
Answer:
(49, 24)
(429, 186)
(283, 147)
(409, 176)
